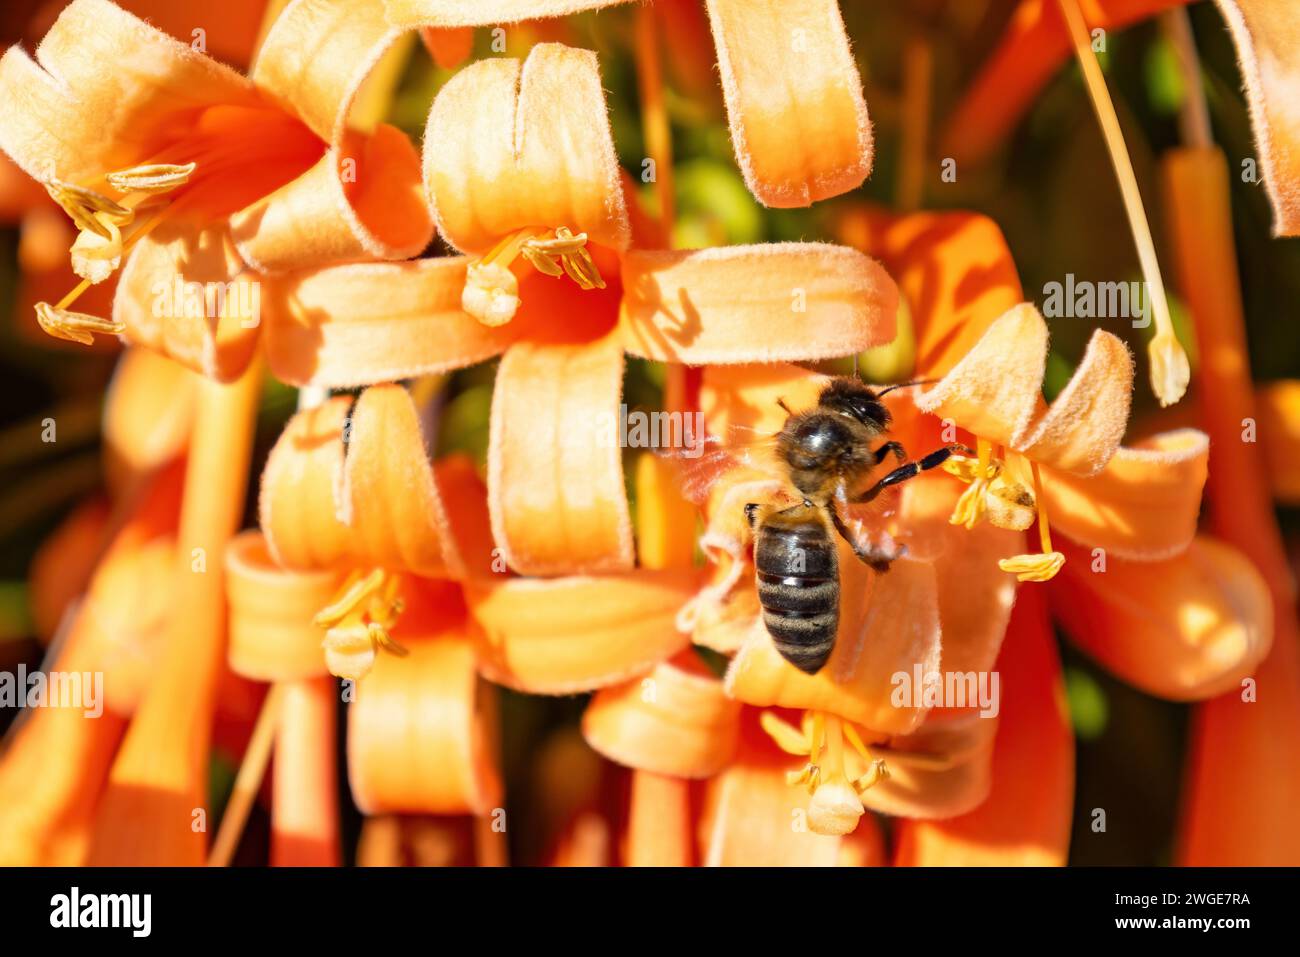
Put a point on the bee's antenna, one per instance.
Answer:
(905, 385)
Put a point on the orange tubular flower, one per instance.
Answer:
(349, 488)
(1136, 511)
(182, 171)
(1139, 503)
(864, 748)
(798, 120)
(56, 766)
(1036, 45)
(538, 196)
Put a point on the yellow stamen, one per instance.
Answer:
(835, 806)
(876, 769)
(971, 507)
(88, 209)
(788, 738)
(358, 622)
(1169, 367)
(491, 293)
(1044, 566)
(74, 326)
(151, 178)
(100, 246)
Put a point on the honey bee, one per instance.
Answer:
(826, 454)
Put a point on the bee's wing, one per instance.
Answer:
(742, 446)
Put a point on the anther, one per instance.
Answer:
(491, 292)
(151, 178)
(74, 326)
(358, 622)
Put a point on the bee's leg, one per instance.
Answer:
(751, 514)
(867, 552)
(911, 470)
(895, 447)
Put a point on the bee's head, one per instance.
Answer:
(855, 399)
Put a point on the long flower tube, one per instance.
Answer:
(1256, 732)
(1036, 44)
(154, 806)
(53, 825)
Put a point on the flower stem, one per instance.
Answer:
(248, 781)
(1168, 361)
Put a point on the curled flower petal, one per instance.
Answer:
(380, 502)
(511, 145)
(315, 57)
(476, 13)
(1187, 628)
(1084, 425)
(768, 303)
(184, 293)
(391, 497)
(421, 732)
(565, 635)
(69, 117)
(675, 721)
(298, 509)
(995, 390)
(272, 636)
(555, 471)
(361, 200)
(1266, 40)
(1142, 505)
(798, 119)
(365, 323)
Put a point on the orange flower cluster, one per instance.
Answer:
(426, 584)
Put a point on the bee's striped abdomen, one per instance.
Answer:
(799, 589)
